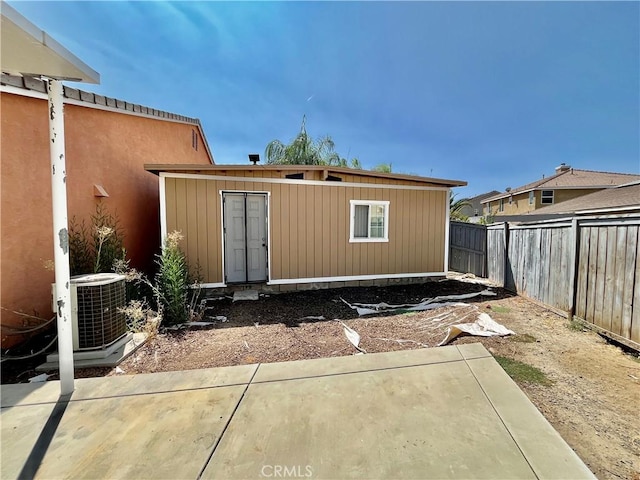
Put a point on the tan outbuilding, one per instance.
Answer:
(290, 226)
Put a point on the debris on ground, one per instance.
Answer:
(352, 336)
(39, 378)
(484, 326)
(424, 304)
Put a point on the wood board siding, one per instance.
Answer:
(309, 228)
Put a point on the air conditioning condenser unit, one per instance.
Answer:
(96, 310)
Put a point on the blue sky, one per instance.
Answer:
(494, 93)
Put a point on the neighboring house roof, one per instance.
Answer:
(212, 169)
(482, 196)
(622, 198)
(571, 179)
(473, 208)
(37, 88)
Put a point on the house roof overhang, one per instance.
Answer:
(28, 51)
(212, 169)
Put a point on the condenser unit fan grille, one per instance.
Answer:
(100, 321)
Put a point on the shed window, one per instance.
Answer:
(501, 207)
(369, 221)
(546, 197)
(532, 197)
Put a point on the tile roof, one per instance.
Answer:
(572, 178)
(37, 85)
(621, 197)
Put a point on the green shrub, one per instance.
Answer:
(95, 249)
(172, 282)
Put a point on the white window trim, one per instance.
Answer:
(370, 203)
(543, 197)
(501, 205)
(532, 198)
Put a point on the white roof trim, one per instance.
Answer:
(320, 183)
(29, 51)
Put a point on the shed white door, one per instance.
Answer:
(245, 237)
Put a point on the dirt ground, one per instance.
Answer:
(593, 399)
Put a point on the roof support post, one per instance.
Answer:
(60, 236)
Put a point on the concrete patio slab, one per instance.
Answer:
(29, 393)
(166, 435)
(19, 430)
(426, 413)
(428, 421)
(473, 350)
(549, 456)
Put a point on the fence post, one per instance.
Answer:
(573, 267)
(506, 255)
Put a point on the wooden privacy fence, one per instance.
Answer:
(468, 248)
(588, 267)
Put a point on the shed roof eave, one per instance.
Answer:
(157, 168)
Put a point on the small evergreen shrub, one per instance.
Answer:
(172, 282)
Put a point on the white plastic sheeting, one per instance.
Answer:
(484, 326)
(425, 303)
(352, 336)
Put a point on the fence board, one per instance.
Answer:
(592, 265)
(629, 282)
(618, 280)
(561, 289)
(610, 266)
(583, 272)
(544, 279)
(635, 316)
(601, 271)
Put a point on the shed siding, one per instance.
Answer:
(309, 228)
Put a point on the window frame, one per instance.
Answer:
(544, 197)
(532, 197)
(352, 214)
(501, 205)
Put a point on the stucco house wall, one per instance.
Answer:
(519, 203)
(104, 146)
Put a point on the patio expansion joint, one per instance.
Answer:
(226, 426)
(368, 370)
(466, 361)
(125, 395)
